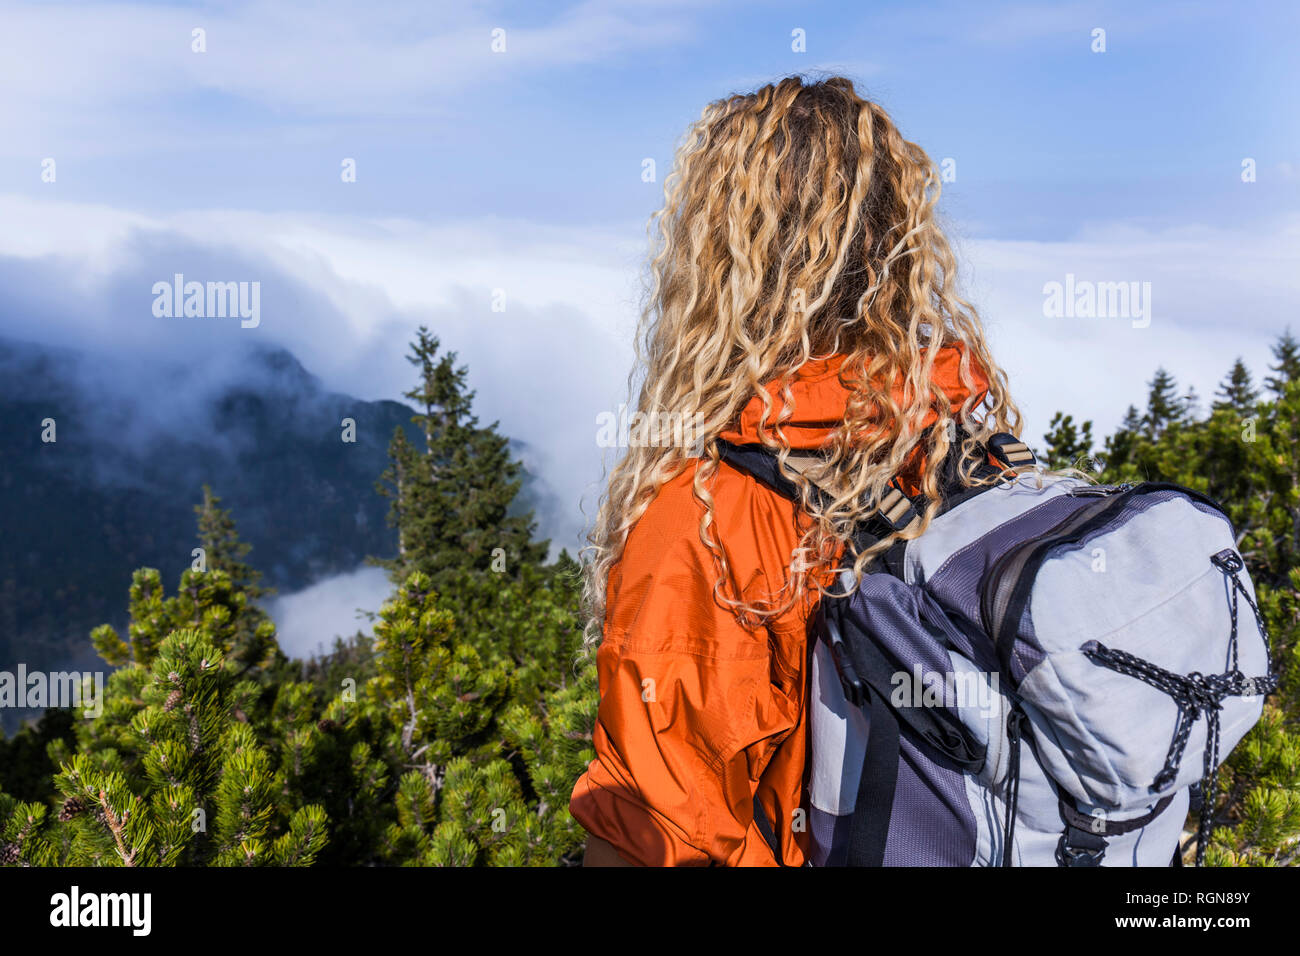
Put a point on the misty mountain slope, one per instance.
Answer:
(135, 444)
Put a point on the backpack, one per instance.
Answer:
(1050, 675)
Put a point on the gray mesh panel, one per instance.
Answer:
(932, 823)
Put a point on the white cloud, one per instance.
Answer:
(1216, 294)
(351, 294)
(85, 73)
(307, 621)
(560, 352)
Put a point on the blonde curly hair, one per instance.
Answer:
(797, 224)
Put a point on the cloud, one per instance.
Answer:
(1215, 293)
(307, 621)
(1022, 24)
(345, 294)
(84, 71)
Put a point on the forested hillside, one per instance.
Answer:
(451, 737)
(131, 453)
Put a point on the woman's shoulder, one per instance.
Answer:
(745, 514)
(668, 570)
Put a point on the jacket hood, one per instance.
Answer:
(821, 397)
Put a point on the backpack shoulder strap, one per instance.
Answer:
(897, 510)
(757, 461)
(1010, 450)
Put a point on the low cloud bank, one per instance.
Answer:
(307, 621)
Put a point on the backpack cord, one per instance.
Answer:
(1195, 694)
(1015, 725)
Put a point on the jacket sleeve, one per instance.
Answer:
(690, 714)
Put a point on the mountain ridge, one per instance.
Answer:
(116, 489)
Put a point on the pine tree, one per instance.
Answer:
(394, 484)
(173, 771)
(1164, 405)
(1237, 393)
(452, 501)
(1121, 446)
(1069, 446)
(184, 765)
(535, 624)
(223, 550)
(487, 765)
(1286, 352)
(488, 721)
(441, 702)
(208, 792)
(452, 738)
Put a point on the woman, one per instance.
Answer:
(803, 298)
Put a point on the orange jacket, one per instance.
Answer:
(698, 713)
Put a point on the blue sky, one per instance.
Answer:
(1046, 132)
(521, 171)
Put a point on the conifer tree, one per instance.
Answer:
(1068, 445)
(536, 624)
(507, 617)
(172, 772)
(1122, 444)
(1237, 393)
(452, 500)
(454, 740)
(484, 751)
(184, 765)
(223, 550)
(252, 646)
(1164, 406)
(439, 701)
(394, 484)
(1286, 353)
(208, 793)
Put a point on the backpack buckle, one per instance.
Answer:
(1010, 450)
(1080, 848)
(897, 511)
(1078, 856)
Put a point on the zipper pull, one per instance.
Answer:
(1100, 491)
